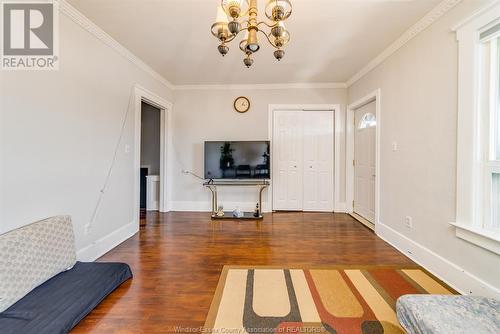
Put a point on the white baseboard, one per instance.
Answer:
(206, 206)
(340, 207)
(103, 245)
(453, 275)
(190, 206)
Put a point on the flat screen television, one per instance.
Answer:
(237, 160)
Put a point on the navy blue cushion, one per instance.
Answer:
(59, 304)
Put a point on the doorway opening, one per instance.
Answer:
(151, 153)
(150, 159)
(363, 159)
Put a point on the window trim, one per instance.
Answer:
(478, 236)
(470, 161)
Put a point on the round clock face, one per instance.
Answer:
(241, 104)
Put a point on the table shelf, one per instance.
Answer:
(212, 186)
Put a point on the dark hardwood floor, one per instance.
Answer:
(177, 258)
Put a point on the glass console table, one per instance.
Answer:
(212, 186)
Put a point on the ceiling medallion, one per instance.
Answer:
(235, 16)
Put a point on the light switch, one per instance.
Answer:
(127, 148)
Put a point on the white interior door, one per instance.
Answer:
(318, 160)
(287, 160)
(365, 122)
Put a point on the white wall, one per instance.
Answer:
(58, 132)
(419, 111)
(201, 115)
(150, 138)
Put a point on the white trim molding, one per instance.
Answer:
(339, 127)
(340, 207)
(77, 17)
(141, 94)
(190, 206)
(302, 85)
(477, 236)
(458, 278)
(474, 15)
(351, 108)
(470, 138)
(103, 245)
(437, 12)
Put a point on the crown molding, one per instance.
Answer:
(475, 14)
(93, 29)
(304, 85)
(75, 15)
(413, 31)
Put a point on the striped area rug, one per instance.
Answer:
(338, 300)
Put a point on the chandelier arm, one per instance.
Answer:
(243, 46)
(243, 41)
(285, 41)
(268, 39)
(267, 24)
(229, 40)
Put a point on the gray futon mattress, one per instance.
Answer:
(60, 303)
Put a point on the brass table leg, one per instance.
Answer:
(260, 198)
(213, 191)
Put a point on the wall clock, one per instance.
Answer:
(241, 104)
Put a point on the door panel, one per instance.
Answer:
(364, 157)
(310, 154)
(318, 160)
(287, 146)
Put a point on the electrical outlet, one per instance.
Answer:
(87, 229)
(394, 146)
(408, 222)
(127, 148)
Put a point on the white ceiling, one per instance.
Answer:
(331, 39)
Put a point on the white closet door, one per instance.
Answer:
(288, 160)
(364, 161)
(318, 160)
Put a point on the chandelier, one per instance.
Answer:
(235, 16)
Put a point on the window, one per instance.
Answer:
(368, 121)
(478, 161)
(489, 100)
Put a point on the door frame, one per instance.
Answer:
(338, 131)
(141, 94)
(350, 130)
